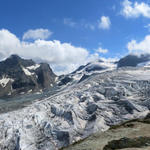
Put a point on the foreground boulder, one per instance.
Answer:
(20, 76)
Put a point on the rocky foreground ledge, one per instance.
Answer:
(130, 135)
(78, 110)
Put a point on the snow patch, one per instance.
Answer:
(144, 64)
(27, 72)
(30, 91)
(33, 67)
(4, 81)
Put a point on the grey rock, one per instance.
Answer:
(21, 76)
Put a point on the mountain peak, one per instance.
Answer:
(23, 75)
(14, 56)
(132, 60)
(15, 60)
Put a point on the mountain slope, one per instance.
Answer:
(78, 110)
(133, 60)
(86, 71)
(131, 135)
(19, 76)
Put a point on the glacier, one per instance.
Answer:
(78, 109)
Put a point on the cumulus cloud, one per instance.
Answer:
(139, 47)
(37, 34)
(63, 57)
(134, 10)
(102, 50)
(104, 22)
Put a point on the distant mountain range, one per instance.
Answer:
(100, 66)
(21, 76)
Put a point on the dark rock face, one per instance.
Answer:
(18, 75)
(91, 108)
(45, 75)
(63, 137)
(67, 115)
(125, 142)
(133, 60)
(83, 77)
(65, 80)
(94, 68)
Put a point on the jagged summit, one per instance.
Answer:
(15, 59)
(19, 75)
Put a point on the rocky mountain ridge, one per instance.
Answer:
(20, 76)
(133, 60)
(100, 66)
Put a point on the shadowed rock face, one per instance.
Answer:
(126, 142)
(133, 60)
(18, 76)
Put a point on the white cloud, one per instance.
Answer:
(80, 24)
(69, 22)
(147, 26)
(101, 50)
(63, 57)
(37, 34)
(110, 59)
(104, 22)
(134, 10)
(139, 47)
(89, 26)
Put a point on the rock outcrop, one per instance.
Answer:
(133, 60)
(20, 76)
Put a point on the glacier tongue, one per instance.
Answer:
(78, 110)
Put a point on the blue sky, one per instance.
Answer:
(103, 28)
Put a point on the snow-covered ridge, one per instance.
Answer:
(82, 72)
(97, 66)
